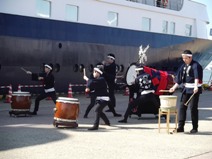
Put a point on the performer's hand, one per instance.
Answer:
(87, 90)
(40, 78)
(195, 89)
(29, 72)
(85, 78)
(171, 90)
(103, 62)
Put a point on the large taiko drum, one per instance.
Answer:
(170, 81)
(21, 102)
(131, 74)
(66, 112)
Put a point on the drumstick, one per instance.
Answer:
(186, 104)
(24, 69)
(84, 72)
(164, 91)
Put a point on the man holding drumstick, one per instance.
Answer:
(98, 86)
(48, 82)
(110, 75)
(190, 74)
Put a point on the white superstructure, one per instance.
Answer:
(187, 19)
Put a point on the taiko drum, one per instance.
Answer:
(21, 101)
(67, 109)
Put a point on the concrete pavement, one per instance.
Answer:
(36, 138)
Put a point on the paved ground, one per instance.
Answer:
(36, 137)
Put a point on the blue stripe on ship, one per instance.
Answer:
(37, 28)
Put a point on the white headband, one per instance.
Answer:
(111, 57)
(190, 55)
(48, 66)
(98, 70)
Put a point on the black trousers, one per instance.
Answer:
(100, 114)
(193, 107)
(42, 96)
(141, 102)
(111, 90)
(91, 105)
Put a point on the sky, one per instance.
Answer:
(208, 3)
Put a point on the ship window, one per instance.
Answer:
(146, 24)
(165, 26)
(188, 30)
(72, 13)
(112, 18)
(172, 27)
(44, 8)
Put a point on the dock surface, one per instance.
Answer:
(35, 137)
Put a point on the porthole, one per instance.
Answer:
(75, 68)
(121, 68)
(42, 67)
(81, 67)
(117, 68)
(90, 68)
(60, 45)
(57, 67)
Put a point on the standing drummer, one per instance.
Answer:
(190, 74)
(48, 83)
(98, 86)
(110, 75)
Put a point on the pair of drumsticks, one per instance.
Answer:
(186, 103)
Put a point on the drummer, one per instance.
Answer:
(98, 86)
(110, 75)
(145, 95)
(48, 82)
(190, 74)
(91, 95)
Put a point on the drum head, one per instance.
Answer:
(20, 93)
(67, 99)
(131, 74)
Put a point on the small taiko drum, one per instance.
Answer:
(168, 102)
(66, 112)
(21, 102)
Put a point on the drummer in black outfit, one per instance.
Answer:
(92, 97)
(110, 75)
(145, 95)
(98, 87)
(48, 82)
(190, 75)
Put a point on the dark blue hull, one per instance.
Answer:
(29, 42)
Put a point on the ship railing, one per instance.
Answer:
(168, 4)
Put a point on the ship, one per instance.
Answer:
(75, 35)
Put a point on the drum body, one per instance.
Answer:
(168, 102)
(21, 101)
(66, 112)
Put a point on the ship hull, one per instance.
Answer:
(30, 42)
